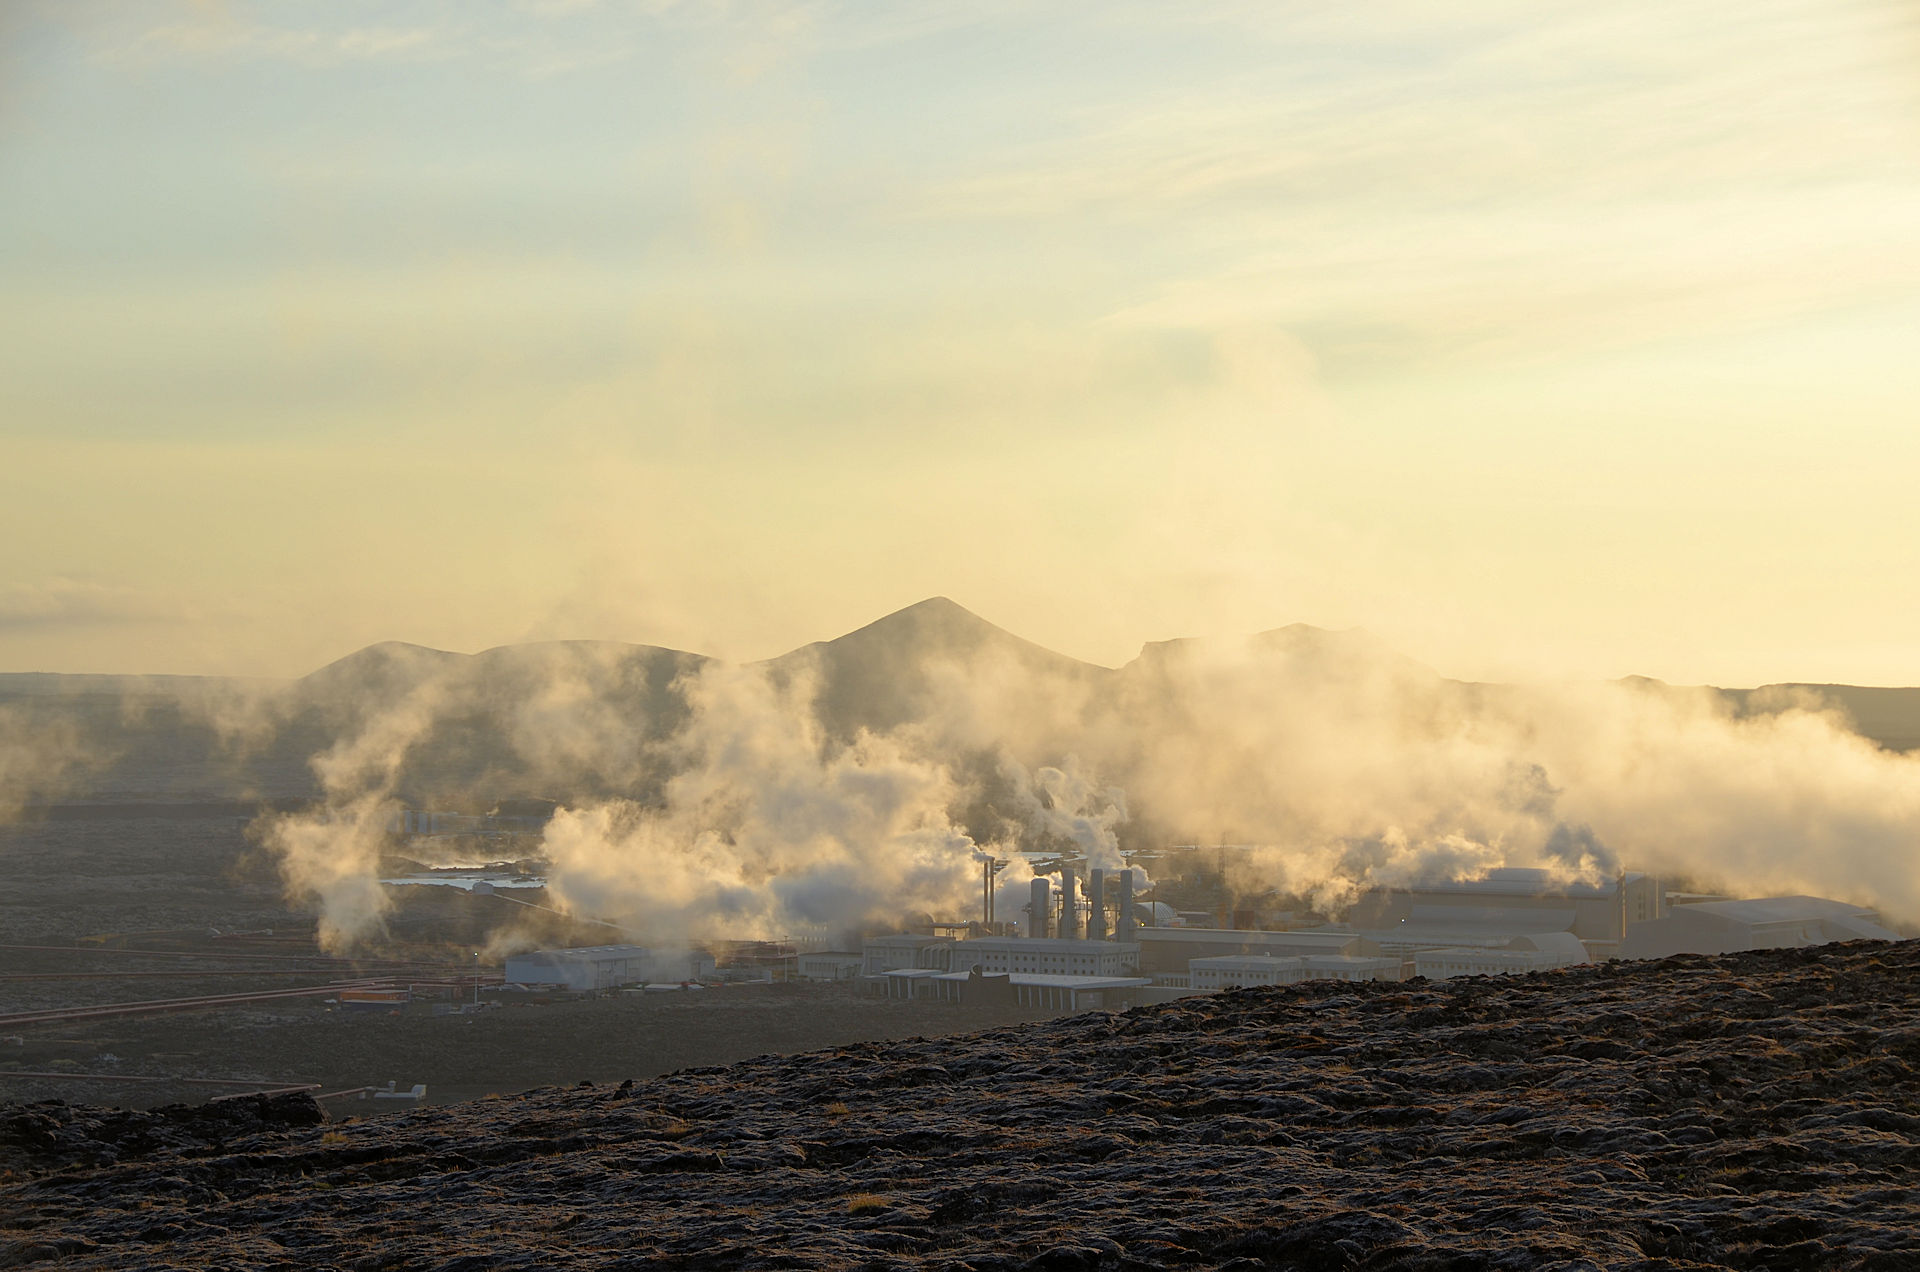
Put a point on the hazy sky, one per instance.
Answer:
(1535, 337)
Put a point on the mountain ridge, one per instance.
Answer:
(585, 718)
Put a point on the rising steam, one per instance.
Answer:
(768, 829)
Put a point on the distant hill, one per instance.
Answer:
(48, 684)
(891, 671)
(1890, 717)
(576, 719)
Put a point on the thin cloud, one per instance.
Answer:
(224, 39)
(60, 603)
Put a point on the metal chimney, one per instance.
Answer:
(1039, 908)
(1069, 905)
(1096, 905)
(1124, 929)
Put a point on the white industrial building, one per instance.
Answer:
(880, 954)
(1763, 923)
(1507, 902)
(1206, 974)
(829, 965)
(993, 954)
(606, 967)
(1539, 952)
(1171, 949)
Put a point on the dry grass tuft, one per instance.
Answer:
(865, 1203)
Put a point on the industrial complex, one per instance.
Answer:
(1086, 940)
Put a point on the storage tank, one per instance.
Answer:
(1039, 908)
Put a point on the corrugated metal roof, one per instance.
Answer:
(1778, 909)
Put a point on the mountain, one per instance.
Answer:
(896, 669)
(570, 719)
(559, 719)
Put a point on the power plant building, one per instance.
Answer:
(1169, 950)
(1508, 902)
(829, 965)
(880, 954)
(1763, 923)
(993, 954)
(1537, 953)
(1228, 970)
(605, 967)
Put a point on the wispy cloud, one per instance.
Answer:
(232, 39)
(58, 603)
(1495, 180)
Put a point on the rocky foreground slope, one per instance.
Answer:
(1755, 1111)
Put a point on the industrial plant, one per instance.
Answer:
(1088, 937)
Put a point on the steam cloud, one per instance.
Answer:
(768, 830)
(38, 758)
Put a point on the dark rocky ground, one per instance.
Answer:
(1755, 1111)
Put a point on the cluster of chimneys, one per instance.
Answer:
(1040, 908)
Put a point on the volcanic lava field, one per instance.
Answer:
(1753, 1111)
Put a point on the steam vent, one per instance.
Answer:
(1755, 1110)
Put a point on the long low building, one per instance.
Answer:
(1763, 923)
(880, 954)
(1244, 970)
(1171, 949)
(1061, 957)
(1540, 952)
(606, 967)
(828, 965)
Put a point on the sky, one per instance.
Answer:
(1540, 339)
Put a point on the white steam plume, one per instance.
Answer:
(1374, 770)
(40, 757)
(1068, 803)
(767, 829)
(330, 856)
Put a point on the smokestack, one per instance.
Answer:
(1097, 904)
(1124, 929)
(1069, 905)
(1039, 908)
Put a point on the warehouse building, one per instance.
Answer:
(829, 965)
(1763, 923)
(1207, 974)
(1048, 958)
(1508, 902)
(1171, 949)
(606, 967)
(880, 954)
(1536, 953)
